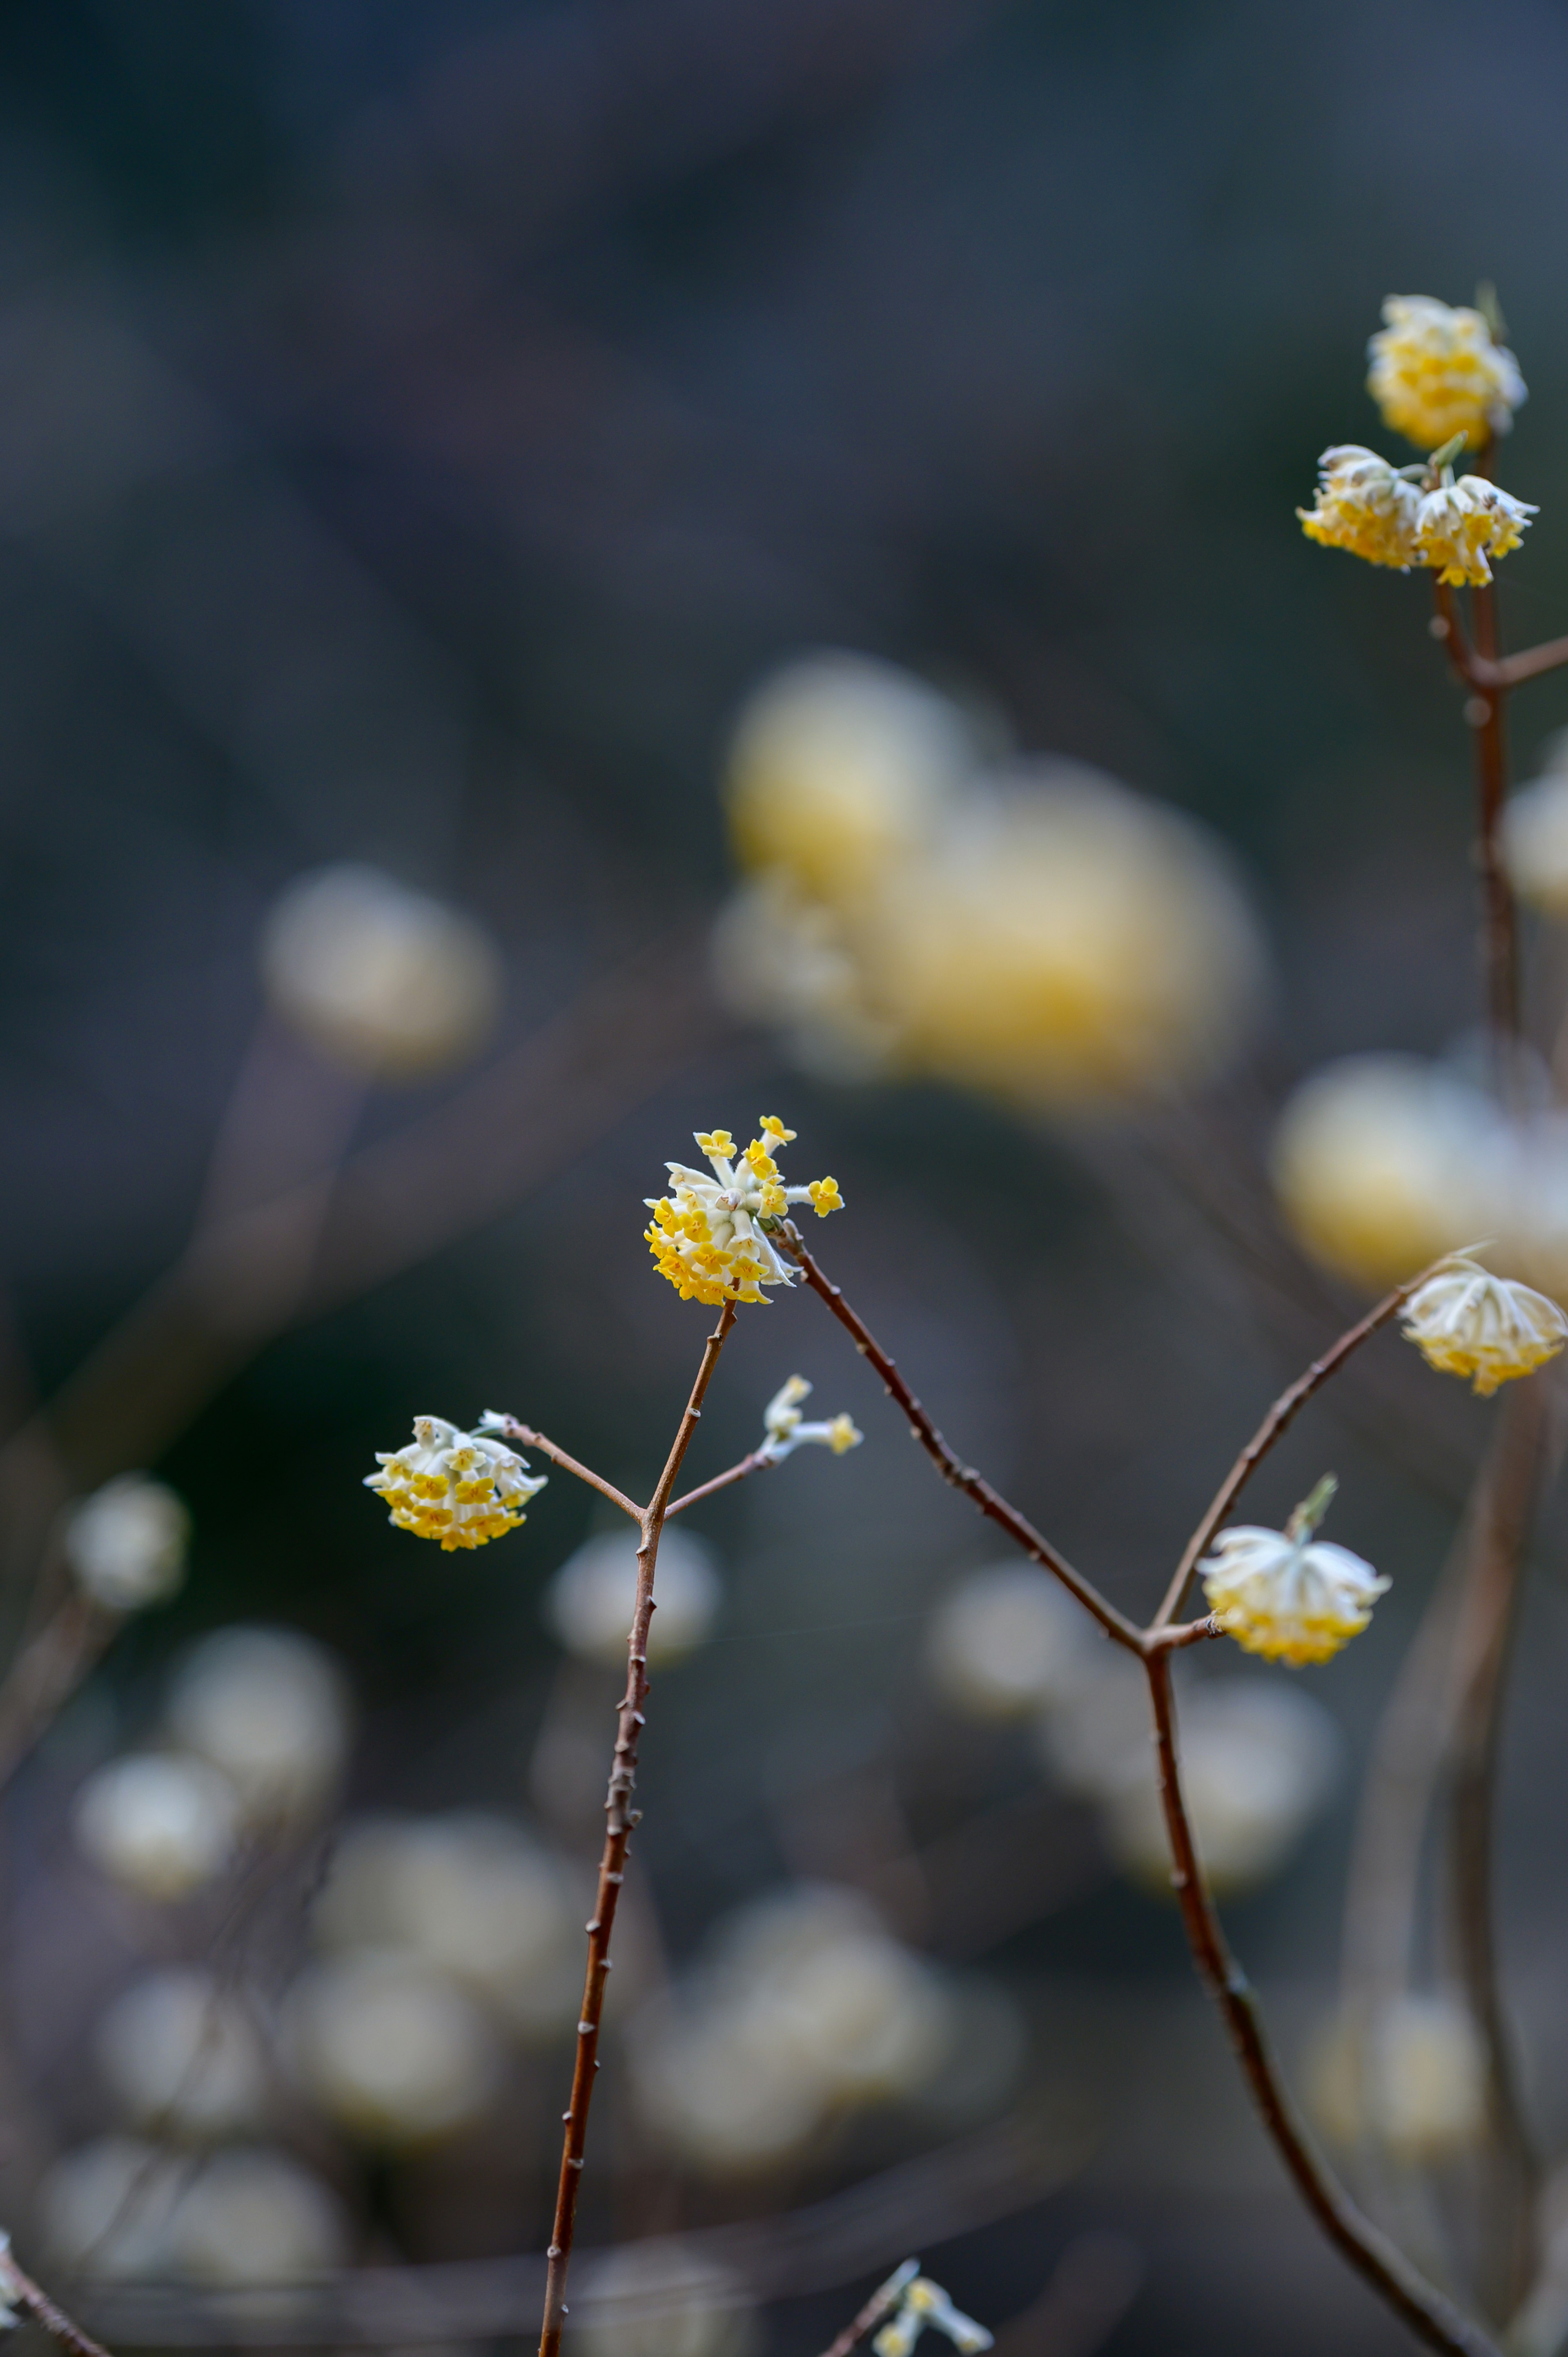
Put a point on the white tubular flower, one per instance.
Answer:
(1437, 372)
(1465, 1322)
(709, 1233)
(1363, 505)
(462, 1487)
(1287, 1594)
(925, 2302)
(786, 1430)
(1460, 524)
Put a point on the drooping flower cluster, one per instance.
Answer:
(1287, 1594)
(1437, 372)
(709, 1235)
(786, 1430)
(461, 1488)
(1365, 505)
(1465, 1322)
(923, 2303)
(1459, 525)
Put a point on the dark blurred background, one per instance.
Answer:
(421, 428)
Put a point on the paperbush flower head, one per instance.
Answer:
(925, 2303)
(1437, 372)
(786, 1430)
(1459, 525)
(1465, 1322)
(1287, 1594)
(1364, 505)
(462, 1487)
(709, 1233)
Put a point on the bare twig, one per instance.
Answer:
(20, 2293)
(880, 2306)
(620, 1818)
(757, 1462)
(1492, 672)
(1278, 1421)
(526, 1438)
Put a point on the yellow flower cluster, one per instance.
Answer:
(1437, 372)
(1459, 525)
(1364, 505)
(1287, 1594)
(709, 1233)
(461, 1488)
(1465, 1322)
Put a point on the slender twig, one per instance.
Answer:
(1488, 672)
(620, 1818)
(20, 2293)
(526, 1438)
(1280, 1417)
(1432, 2317)
(877, 2309)
(757, 1462)
(950, 1466)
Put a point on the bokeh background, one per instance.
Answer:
(422, 429)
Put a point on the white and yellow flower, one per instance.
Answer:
(461, 1488)
(1287, 1594)
(786, 1430)
(1460, 524)
(709, 1233)
(1465, 1322)
(925, 2303)
(1364, 505)
(1437, 372)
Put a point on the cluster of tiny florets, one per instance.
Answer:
(1465, 1322)
(461, 1488)
(1289, 1595)
(785, 1429)
(1459, 525)
(1364, 505)
(709, 1235)
(1437, 371)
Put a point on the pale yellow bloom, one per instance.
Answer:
(1437, 372)
(925, 2303)
(1460, 524)
(1465, 1322)
(461, 1488)
(1363, 505)
(1287, 1594)
(709, 1235)
(786, 1430)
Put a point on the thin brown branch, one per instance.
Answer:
(47, 1672)
(19, 2292)
(1277, 1421)
(526, 1438)
(951, 1467)
(1433, 2318)
(1491, 673)
(620, 1818)
(877, 2309)
(757, 1462)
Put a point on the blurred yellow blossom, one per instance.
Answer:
(1459, 525)
(1465, 1322)
(708, 1234)
(1437, 372)
(1287, 1594)
(1363, 505)
(786, 1430)
(461, 1488)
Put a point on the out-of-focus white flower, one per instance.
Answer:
(1007, 1642)
(1095, 1725)
(925, 2303)
(1365, 506)
(1380, 1163)
(1461, 524)
(461, 1488)
(839, 764)
(790, 964)
(160, 1825)
(125, 1544)
(395, 2050)
(1465, 1322)
(182, 2054)
(709, 1235)
(1068, 943)
(1437, 372)
(1535, 843)
(662, 2298)
(1288, 1594)
(379, 978)
(1257, 1762)
(267, 1707)
(785, 1431)
(470, 1895)
(1413, 2081)
(107, 2207)
(589, 1602)
(808, 2004)
(252, 2216)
